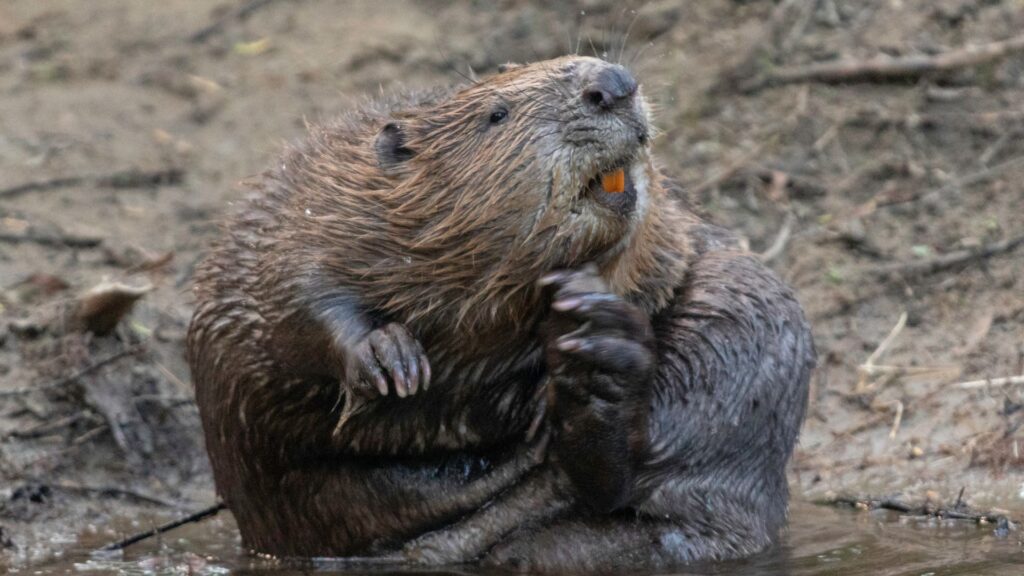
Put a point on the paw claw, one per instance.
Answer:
(567, 304)
(388, 359)
(552, 278)
(570, 345)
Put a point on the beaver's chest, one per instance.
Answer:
(476, 405)
(489, 400)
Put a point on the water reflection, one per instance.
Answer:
(820, 542)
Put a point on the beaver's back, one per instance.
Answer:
(255, 235)
(246, 284)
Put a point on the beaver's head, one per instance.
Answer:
(478, 191)
(554, 151)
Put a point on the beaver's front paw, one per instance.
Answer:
(600, 353)
(388, 358)
(593, 332)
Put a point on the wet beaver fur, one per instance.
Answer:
(432, 336)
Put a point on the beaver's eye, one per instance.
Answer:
(499, 116)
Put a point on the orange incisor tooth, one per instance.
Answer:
(614, 182)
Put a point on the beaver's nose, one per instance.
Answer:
(610, 86)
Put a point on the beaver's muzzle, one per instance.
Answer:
(614, 189)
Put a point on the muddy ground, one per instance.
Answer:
(876, 199)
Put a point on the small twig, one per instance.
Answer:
(141, 178)
(896, 420)
(172, 377)
(112, 491)
(124, 179)
(89, 435)
(997, 146)
(976, 334)
(781, 239)
(164, 528)
(800, 186)
(239, 14)
(867, 503)
(886, 370)
(53, 240)
(131, 351)
(883, 347)
(44, 428)
(991, 382)
(884, 68)
(971, 179)
(870, 369)
(725, 173)
(867, 369)
(169, 401)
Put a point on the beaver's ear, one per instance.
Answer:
(390, 145)
(508, 66)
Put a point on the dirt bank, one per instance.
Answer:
(893, 196)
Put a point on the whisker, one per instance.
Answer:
(639, 53)
(568, 38)
(625, 38)
(579, 32)
(593, 48)
(449, 63)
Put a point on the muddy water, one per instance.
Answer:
(821, 541)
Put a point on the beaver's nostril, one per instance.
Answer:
(609, 86)
(599, 98)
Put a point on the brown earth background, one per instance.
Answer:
(894, 205)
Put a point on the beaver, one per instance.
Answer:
(435, 333)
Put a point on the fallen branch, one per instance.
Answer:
(991, 382)
(194, 517)
(41, 185)
(240, 14)
(884, 68)
(77, 375)
(786, 23)
(53, 240)
(886, 199)
(983, 123)
(958, 511)
(123, 179)
(945, 261)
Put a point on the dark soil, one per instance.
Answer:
(125, 128)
